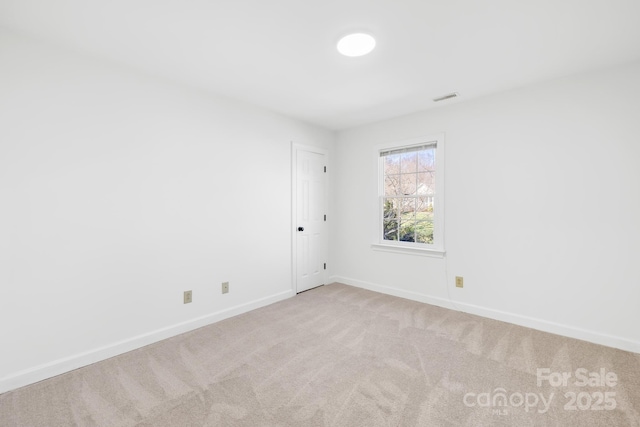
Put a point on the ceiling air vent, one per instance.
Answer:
(448, 96)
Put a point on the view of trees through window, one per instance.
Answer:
(409, 190)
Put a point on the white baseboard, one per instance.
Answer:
(60, 366)
(516, 319)
(396, 292)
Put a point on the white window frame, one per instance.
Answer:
(437, 248)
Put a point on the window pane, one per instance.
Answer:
(409, 162)
(392, 185)
(425, 183)
(408, 184)
(390, 230)
(426, 160)
(390, 210)
(391, 216)
(407, 231)
(424, 208)
(407, 208)
(424, 231)
(392, 164)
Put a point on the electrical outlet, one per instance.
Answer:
(459, 282)
(225, 287)
(187, 297)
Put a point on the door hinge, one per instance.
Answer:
(325, 217)
(325, 169)
(325, 265)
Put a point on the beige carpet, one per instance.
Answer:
(343, 356)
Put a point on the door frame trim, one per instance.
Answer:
(294, 205)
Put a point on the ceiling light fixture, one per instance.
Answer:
(356, 44)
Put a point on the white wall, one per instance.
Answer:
(117, 193)
(542, 210)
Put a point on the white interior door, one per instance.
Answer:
(310, 240)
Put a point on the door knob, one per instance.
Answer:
(300, 228)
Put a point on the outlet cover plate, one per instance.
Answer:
(225, 287)
(188, 297)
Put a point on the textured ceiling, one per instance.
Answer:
(281, 54)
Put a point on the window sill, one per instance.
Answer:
(384, 247)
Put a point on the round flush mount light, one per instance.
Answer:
(356, 44)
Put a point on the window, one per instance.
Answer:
(410, 196)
